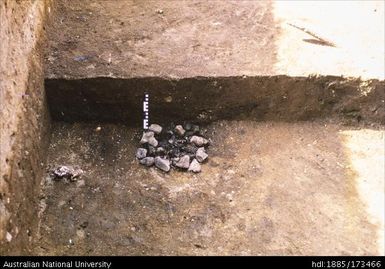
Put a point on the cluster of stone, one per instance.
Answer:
(180, 146)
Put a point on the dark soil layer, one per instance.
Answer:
(204, 99)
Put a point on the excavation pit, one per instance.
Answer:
(276, 154)
(295, 163)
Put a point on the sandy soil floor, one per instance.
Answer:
(267, 189)
(216, 38)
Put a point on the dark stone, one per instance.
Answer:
(174, 152)
(189, 133)
(151, 150)
(195, 129)
(188, 126)
(190, 148)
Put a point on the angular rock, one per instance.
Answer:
(141, 153)
(194, 166)
(183, 162)
(76, 174)
(146, 137)
(8, 237)
(152, 141)
(199, 141)
(201, 154)
(179, 130)
(67, 172)
(148, 161)
(162, 164)
(160, 150)
(156, 128)
(63, 172)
